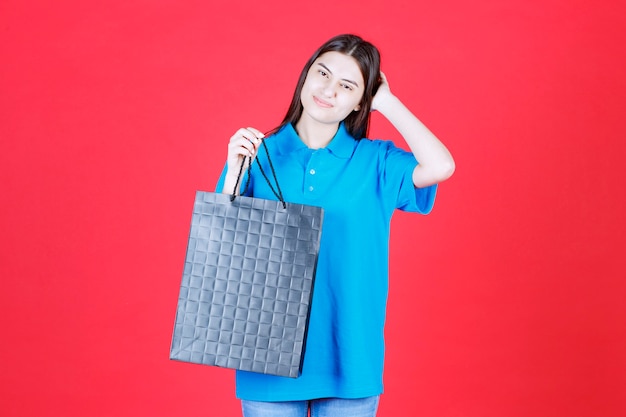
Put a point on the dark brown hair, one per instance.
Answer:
(368, 58)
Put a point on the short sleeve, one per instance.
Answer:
(220, 182)
(398, 166)
(411, 198)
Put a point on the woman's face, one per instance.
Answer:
(333, 88)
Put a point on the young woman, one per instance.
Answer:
(322, 157)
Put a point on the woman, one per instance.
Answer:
(322, 158)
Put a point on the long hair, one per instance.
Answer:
(368, 58)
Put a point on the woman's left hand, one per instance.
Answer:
(383, 93)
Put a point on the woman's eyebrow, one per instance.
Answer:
(330, 72)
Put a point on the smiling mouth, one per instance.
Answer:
(322, 103)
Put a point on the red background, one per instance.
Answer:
(508, 300)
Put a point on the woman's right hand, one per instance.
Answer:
(245, 142)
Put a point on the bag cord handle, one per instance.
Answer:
(277, 192)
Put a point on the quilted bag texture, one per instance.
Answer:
(247, 284)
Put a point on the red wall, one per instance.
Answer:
(508, 300)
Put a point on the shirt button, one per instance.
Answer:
(312, 172)
(311, 188)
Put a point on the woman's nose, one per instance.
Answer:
(329, 90)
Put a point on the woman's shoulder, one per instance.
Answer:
(377, 145)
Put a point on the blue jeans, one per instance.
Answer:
(324, 407)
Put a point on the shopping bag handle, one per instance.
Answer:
(277, 191)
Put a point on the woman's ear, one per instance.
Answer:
(357, 108)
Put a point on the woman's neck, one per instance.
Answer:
(315, 135)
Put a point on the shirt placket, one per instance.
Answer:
(312, 179)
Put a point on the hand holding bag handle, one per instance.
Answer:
(277, 192)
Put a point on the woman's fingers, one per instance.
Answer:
(259, 135)
(244, 142)
(248, 139)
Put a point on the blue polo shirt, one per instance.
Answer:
(359, 183)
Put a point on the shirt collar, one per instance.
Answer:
(342, 145)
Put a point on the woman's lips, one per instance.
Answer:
(322, 103)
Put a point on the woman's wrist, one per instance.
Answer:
(386, 103)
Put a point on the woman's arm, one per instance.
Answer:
(435, 161)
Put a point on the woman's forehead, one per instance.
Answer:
(340, 63)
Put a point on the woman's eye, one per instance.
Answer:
(347, 86)
(323, 73)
